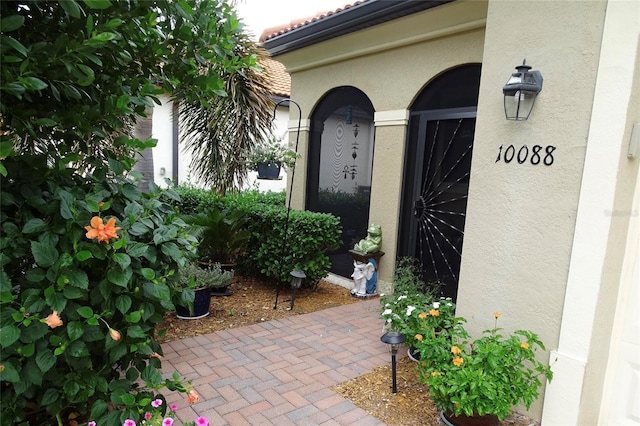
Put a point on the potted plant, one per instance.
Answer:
(415, 308)
(481, 380)
(267, 158)
(222, 236)
(197, 284)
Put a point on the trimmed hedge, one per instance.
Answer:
(309, 234)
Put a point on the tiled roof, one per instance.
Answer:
(279, 80)
(298, 23)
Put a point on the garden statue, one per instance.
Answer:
(365, 278)
(372, 242)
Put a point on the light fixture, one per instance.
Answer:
(520, 92)
(296, 281)
(394, 339)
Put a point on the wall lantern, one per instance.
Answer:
(394, 339)
(520, 92)
(296, 281)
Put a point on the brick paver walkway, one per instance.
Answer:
(281, 372)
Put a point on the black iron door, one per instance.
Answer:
(437, 170)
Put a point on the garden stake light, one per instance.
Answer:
(286, 222)
(296, 281)
(393, 339)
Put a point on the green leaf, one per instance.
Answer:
(78, 349)
(8, 335)
(100, 39)
(134, 317)
(45, 360)
(156, 291)
(172, 250)
(148, 273)
(119, 277)
(34, 226)
(11, 23)
(33, 83)
(6, 148)
(98, 4)
(122, 260)
(28, 350)
(50, 396)
(44, 254)
(98, 409)
(123, 303)
(70, 7)
(31, 373)
(75, 330)
(83, 255)
(85, 311)
(12, 42)
(9, 373)
(78, 278)
(136, 332)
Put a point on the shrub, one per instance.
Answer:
(80, 298)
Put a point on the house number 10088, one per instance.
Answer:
(536, 157)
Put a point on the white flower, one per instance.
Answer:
(381, 294)
(386, 305)
(387, 312)
(404, 296)
(389, 320)
(410, 309)
(449, 304)
(436, 305)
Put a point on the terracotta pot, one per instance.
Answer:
(462, 420)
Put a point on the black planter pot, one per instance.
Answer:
(201, 303)
(266, 171)
(450, 419)
(413, 353)
(221, 291)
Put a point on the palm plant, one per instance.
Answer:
(221, 134)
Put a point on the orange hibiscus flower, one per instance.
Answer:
(53, 320)
(456, 350)
(524, 345)
(101, 231)
(434, 313)
(422, 315)
(457, 361)
(193, 396)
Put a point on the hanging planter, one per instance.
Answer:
(268, 171)
(268, 157)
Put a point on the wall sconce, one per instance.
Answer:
(296, 281)
(520, 92)
(393, 339)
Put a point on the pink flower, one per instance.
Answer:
(156, 403)
(129, 422)
(147, 416)
(173, 407)
(115, 335)
(167, 422)
(91, 424)
(202, 421)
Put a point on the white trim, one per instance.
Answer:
(588, 254)
(305, 125)
(398, 117)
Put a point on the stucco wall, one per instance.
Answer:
(521, 217)
(390, 64)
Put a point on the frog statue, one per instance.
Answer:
(372, 242)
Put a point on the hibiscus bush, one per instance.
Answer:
(86, 258)
(86, 267)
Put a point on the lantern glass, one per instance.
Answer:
(520, 92)
(296, 278)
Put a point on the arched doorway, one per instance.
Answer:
(340, 167)
(436, 174)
